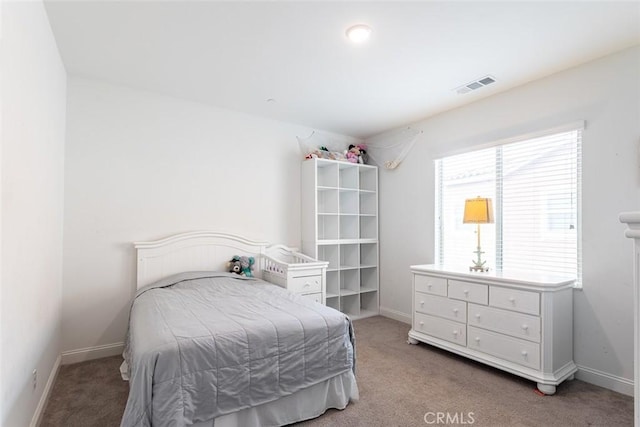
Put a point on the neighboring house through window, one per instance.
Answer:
(534, 184)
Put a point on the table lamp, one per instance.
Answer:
(478, 211)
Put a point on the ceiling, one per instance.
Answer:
(238, 55)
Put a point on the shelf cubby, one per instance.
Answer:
(368, 203)
(349, 203)
(328, 201)
(333, 283)
(348, 176)
(349, 226)
(327, 173)
(328, 227)
(368, 227)
(368, 179)
(368, 254)
(350, 305)
(369, 279)
(349, 282)
(349, 256)
(368, 304)
(333, 302)
(330, 253)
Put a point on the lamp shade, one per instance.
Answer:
(478, 211)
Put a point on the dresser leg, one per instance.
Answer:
(547, 389)
(412, 341)
(571, 377)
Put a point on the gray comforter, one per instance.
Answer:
(204, 344)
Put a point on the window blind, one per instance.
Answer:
(534, 184)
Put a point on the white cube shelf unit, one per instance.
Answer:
(340, 226)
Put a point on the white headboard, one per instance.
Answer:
(194, 251)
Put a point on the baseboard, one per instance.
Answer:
(42, 404)
(90, 353)
(603, 379)
(395, 315)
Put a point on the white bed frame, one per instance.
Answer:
(194, 251)
(210, 251)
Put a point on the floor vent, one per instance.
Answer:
(476, 84)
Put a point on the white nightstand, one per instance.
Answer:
(296, 272)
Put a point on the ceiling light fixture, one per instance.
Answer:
(359, 33)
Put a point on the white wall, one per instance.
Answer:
(604, 93)
(142, 166)
(33, 133)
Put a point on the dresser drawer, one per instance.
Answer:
(430, 284)
(467, 291)
(514, 299)
(525, 353)
(507, 322)
(307, 272)
(440, 328)
(441, 306)
(305, 284)
(314, 297)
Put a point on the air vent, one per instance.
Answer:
(476, 84)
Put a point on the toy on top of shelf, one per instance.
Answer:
(352, 154)
(364, 157)
(356, 153)
(323, 153)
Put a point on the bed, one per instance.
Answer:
(210, 348)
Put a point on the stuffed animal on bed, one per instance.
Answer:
(234, 266)
(241, 265)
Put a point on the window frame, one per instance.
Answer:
(438, 200)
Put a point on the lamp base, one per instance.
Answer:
(479, 265)
(479, 268)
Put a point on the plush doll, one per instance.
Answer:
(247, 265)
(235, 266)
(353, 154)
(241, 265)
(364, 158)
(324, 153)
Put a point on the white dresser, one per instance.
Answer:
(521, 322)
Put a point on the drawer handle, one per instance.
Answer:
(307, 284)
(455, 310)
(466, 292)
(512, 300)
(525, 327)
(455, 333)
(478, 340)
(421, 323)
(422, 303)
(429, 286)
(478, 316)
(524, 353)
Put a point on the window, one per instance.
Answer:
(534, 184)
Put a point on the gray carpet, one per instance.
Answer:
(399, 384)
